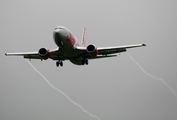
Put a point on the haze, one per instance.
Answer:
(113, 88)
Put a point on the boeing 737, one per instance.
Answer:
(69, 48)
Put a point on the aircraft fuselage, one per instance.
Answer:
(67, 42)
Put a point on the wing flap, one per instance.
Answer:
(102, 56)
(110, 51)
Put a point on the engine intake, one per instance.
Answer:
(91, 49)
(44, 53)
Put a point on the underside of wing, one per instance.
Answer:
(101, 56)
(102, 52)
(89, 52)
(41, 54)
(30, 55)
(116, 49)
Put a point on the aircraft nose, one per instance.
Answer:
(56, 33)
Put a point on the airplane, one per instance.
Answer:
(69, 48)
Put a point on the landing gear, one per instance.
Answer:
(85, 61)
(59, 63)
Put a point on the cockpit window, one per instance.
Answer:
(61, 28)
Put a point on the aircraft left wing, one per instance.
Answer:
(107, 51)
(116, 49)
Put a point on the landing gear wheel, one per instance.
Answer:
(85, 61)
(59, 63)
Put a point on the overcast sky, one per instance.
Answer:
(113, 88)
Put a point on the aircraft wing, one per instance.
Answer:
(35, 55)
(107, 51)
(55, 54)
(116, 49)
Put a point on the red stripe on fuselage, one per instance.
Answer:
(70, 38)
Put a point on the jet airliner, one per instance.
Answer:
(69, 48)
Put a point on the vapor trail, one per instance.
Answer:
(67, 97)
(156, 78)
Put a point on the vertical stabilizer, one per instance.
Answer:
(83, 37)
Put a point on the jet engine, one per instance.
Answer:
(44, 53)
(91, 49)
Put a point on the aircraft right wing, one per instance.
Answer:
(45, 54)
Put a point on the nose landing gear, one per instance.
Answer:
(59, 63)
(85, 61)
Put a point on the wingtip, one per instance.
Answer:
(5, 54)
(144, 44)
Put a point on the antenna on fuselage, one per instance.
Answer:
(83, 37)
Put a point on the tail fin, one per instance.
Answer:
(83, 37)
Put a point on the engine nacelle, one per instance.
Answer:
(91, 49)
(44, 53)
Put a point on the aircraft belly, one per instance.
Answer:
(69, 51)
(77, 61)
(71, 54)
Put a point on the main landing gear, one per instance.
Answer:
(59, 63)
(85, 62)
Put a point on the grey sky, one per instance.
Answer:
(113, 88)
